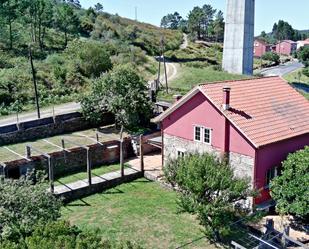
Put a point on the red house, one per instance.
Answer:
(261, 47)
(255, 123)
(286, 47)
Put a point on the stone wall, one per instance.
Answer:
(75, 160)
(243, 165)
(174, 144)
(47, 127)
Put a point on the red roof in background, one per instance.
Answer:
(265, 110)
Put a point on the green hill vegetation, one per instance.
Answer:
(71, 46)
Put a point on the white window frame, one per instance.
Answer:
(201, 133)
(202, 136)
(210, 135)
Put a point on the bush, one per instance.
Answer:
(303, 55)
(209, 189)
(271, 56)
(91, 57)
(23, 205)
(55, 235)
(291, 189)
(306, 71)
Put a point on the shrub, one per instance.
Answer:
(55, 235)
(291, 189)
(209, 189)
(90, 57)
(306, 71)
(271, 56)
(23, 205)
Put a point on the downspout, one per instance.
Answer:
(226, 107)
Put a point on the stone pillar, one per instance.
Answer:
(239, 37)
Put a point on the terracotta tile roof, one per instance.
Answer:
(265, 110)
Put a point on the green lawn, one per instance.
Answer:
(297, 77)
(189, 77)
(83, 175)
(140, 211)
(52, 144)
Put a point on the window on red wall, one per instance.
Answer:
(271, 174)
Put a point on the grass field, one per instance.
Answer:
(53, 144)
(189, 77)
(140, 211)
(298, 78)
(83, 175)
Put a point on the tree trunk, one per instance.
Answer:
(65, 39)
(121, 152)
(11, 35)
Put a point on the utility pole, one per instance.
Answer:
(164, 62)
(135, 13)
(35, 83)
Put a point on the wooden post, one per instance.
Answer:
(63, 144)
(121, 153)
(166, 83)
(141, 152)
(28, 151)
(34, 83)
(51, 174)
(97, 137)
(159, 73)
(89, 167)
(121, 158)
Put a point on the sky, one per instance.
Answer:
(151, 11)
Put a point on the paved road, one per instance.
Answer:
(282, 69)
(45, 112)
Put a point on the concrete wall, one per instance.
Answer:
(73, 161)
(239, 37)
(47, 127)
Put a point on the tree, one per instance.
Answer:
(24, 204)
(39, 15)
(219, 26)
(98, 8)
(66, 20)
(271, 56)
(195, 21)
(290, 190)
(171, 21)
(123, 93)
(9, 13)
(209, 13)
(209, 189)
(303, 55)
(90, 57)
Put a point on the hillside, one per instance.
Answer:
(71, 47)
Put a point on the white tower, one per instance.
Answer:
(239, 37)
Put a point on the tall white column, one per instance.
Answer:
(239, 37)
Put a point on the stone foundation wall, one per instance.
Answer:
(174, 144)
(66, 163)
(243, 165)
